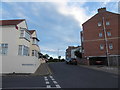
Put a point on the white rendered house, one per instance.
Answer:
(18, 47)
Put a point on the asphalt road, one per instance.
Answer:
(64, 76)
(71, 76)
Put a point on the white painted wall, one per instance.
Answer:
(34, 34)
(14, 64)
(11, 36)
(22, 24)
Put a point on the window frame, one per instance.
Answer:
(3, 48)
(25, 34)
(23, 51)
(101, 46)
(35, 53)
(99, 24)
(108, 33)
(100, 34)
(107, 23)
(110, 46)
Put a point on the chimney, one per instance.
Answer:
(102, 10)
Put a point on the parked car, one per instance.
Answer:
(99, 63)
(72, 61)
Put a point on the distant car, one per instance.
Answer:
(72, 61)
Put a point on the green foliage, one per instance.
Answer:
(59, 57)
(55, 60)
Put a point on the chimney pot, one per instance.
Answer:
(101, 9)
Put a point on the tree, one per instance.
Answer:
(59, 57)
(78, 54)
(46, 56)
(51, 58)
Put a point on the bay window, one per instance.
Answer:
(35, 41)
(23, 50)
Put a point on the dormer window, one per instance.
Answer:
(25, 34)
(35, 41)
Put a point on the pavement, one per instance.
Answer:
(42, 70)
(113, 70)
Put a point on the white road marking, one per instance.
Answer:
(54, 82)
(58, 86)
(47, 82)
(50, 76)
(48, 86)
(53, 79)
(46, 79)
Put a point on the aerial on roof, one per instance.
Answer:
(11, 22)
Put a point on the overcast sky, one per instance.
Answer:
(58, 24)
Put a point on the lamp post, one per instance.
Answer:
(106, 44)
(58, 53)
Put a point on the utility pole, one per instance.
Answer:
(106, 44)
(58, 53)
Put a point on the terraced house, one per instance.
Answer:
(18, 47)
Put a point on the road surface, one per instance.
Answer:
(64, 76)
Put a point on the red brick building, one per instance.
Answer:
(100, 36)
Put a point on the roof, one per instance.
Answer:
(102, 13)
(36, 38)
(11, 22)
(31, 31)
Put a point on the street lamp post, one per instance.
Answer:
(58, 53)
(106, 44)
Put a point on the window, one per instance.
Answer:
(101, 46)
(35, 41)
(35, 53)
(23, 50)
(32, 52)
(3, 49)
(110, 46)
(22, 33)
(99, 24)
(0, 48)
(26, 51)
(109, 33)
(20, 50)
(25, 34)
(107, 23)
(100, 34)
